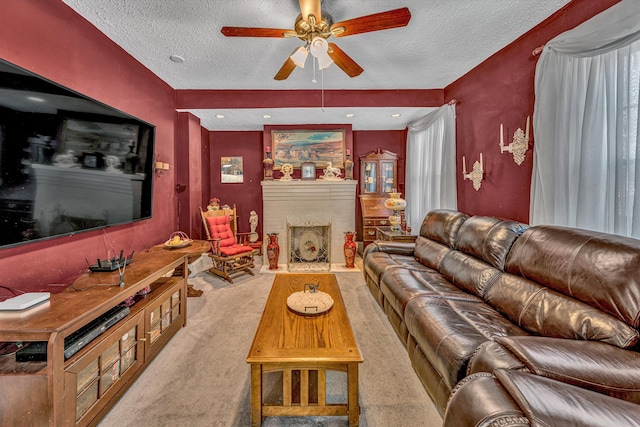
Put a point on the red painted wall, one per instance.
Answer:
(50, 39)
(247, 196)
(189, 175)
(501, 90)
(250, 145)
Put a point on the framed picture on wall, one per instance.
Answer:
(318, 146)
(308, 170)
(231, 169)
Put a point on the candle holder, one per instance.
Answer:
(348, 167)
(267, 164)
(519, 145)
(477, 172)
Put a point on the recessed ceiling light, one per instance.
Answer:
(396, 115)
(266, 116)
(35, 99)
(350, 115)
(177, 58)
(219, 116)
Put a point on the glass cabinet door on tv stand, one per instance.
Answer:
(378, 173)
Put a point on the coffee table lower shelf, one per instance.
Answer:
(311, 395)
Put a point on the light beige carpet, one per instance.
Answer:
(202, 379)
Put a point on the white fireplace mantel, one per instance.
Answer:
(335, 199)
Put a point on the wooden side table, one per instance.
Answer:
(193, 251)
(388, 235)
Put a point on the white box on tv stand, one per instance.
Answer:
(24, 301)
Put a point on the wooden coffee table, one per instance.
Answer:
(303, 348)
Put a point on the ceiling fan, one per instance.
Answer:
(314, 27)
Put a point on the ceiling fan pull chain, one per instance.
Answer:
(314, 71)
(322, 84)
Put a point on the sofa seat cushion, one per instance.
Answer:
(376, 263)
(400, 285)
(448, 331)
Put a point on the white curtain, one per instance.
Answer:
(431, 164)
(586, 164)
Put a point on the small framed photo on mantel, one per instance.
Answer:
(308, 170)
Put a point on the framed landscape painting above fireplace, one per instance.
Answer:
(299, 146)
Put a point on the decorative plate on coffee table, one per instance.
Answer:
(310, 303)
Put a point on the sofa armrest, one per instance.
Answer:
(396, 248)
(479, 400)
(514, 398)
(587, 364)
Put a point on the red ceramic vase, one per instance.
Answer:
(273, 251)
(350, 249)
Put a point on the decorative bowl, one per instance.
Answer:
(177, 240)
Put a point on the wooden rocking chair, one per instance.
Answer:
(230, 258)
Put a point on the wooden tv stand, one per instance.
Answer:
(80, 390)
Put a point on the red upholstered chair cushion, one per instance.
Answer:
(235, 249)
(219, 228)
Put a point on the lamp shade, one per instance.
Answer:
(299, 56)
(395, 203)
(318, 48)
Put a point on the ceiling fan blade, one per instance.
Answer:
(286, 70)
(343, 61)
(376, 22)
(310, 7)
(256, 32)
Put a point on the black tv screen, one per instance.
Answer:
(68, 163)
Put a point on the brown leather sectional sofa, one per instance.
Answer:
(512, 325)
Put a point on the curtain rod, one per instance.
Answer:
(453, 102)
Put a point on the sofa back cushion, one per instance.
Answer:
(543, 311)
(468, 273)
(429, 252)
(601, 270)
(488, 238)
(441, 225)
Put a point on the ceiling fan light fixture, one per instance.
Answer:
(299, 56)
(318, 48)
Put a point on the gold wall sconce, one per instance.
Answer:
(476, 174)
(518, 146)
(160, 167)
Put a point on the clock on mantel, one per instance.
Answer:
(378, 177)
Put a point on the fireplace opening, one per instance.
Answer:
(309, 245)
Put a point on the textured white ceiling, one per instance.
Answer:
(443, 41)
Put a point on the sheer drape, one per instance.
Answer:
(431, 164)
(586, 156)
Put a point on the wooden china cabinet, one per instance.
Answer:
(378, 177)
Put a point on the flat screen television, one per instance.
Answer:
(68, 163)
